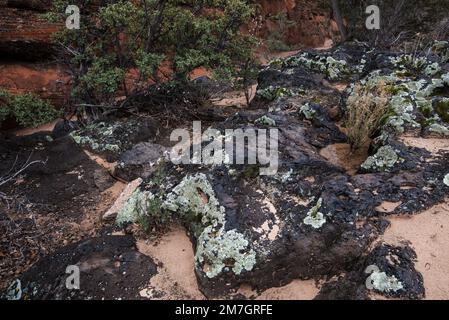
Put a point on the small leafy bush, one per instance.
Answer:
(27, 109)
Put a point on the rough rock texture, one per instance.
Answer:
(139, 161)
(311, 26)
(311, 219)
(112, 138)
(394, 263)
(48, 81)
(110, 268)
(24, 35)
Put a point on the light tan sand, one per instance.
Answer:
(176, 277)
(43, 128)
(296, 290)
(433, 145)
(340, 155)
(428, 234)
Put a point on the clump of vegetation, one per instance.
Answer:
(366, 109)
(125, 47)
(28, 109)
(274, 93)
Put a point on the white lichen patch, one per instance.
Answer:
(315, 218)
(99, 140)
(446, 180)
(195, 195)
(439, 128)
(307, 111)
(224, 249)
(273, 93)
(384, 283)
(265, 120)
(333, 68)
(14, 291)
(384, 159)
(137, 206)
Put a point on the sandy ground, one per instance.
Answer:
(340, 155)
(433, 145)
(176, 278)
(175, 258)
(428, 234)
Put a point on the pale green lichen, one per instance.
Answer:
(218, 250)
(96, 136)
(265, 120)
(307, 111)
(406, 63)
(334, 69)
(384, 159)
(438, 128)
(143, 207)
(195, 196)
(446, 180)
(441, 48)
(273, 93)
(14, 291)
(384, 283)
(314, 217)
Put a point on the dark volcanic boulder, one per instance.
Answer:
(139, 161)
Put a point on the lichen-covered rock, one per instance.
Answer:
(384, 159)
(314, 218)
(307, 111)
(112, 138)
(304, 221)
(140, 161)
(223, 249)
(386, 270)
(384, 283)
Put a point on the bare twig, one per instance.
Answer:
(11, 176)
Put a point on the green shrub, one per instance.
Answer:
(27, 109)
(119, 36)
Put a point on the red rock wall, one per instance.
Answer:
(311, 27)
(27, 61)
